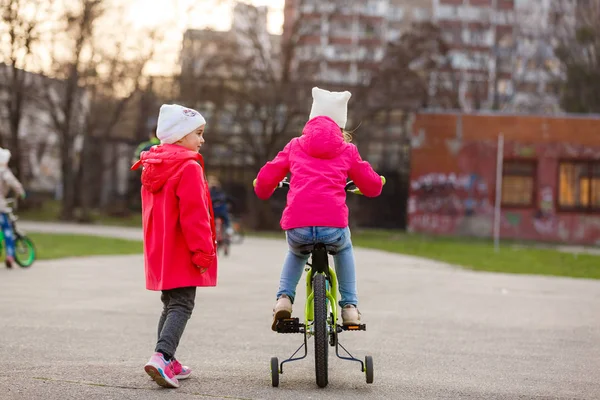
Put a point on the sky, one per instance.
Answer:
(173, 17)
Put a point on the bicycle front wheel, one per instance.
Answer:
(320, 325)
(24, 251)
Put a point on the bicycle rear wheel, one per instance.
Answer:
(24, 251)
(321, 334)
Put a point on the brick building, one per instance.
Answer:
(550, 178)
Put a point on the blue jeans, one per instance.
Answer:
(9, 237)
(338, 239)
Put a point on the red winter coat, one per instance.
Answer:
(178, 222)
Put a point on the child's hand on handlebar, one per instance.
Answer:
(283, 183)
(357, 190)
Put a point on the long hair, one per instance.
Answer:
(347, 135)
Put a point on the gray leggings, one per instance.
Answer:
(178, 306)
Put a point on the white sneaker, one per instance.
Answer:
(282, 310)
(350, 315)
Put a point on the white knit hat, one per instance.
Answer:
(175, 122)
(330, 104)
(4, 156)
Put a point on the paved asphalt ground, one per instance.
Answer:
(83, 329)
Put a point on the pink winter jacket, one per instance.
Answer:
(320, 162)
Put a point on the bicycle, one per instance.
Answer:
(223, 239)
(25, 253)
(320, 315)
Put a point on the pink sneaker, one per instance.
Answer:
(181, 371)
(161, 371)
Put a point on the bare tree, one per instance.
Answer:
(21, 26)
(245, 78)
(97, 74)
(253, 97)
(65, 98)
(113, 84)
(578, 49)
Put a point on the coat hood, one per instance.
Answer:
(322, 138)
(161, 163)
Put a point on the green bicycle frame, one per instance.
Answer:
(309, 312)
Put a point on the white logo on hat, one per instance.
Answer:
(189, 113)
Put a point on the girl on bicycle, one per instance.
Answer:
(320, 161)
(8, 181)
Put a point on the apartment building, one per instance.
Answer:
(535, 67)
(501, 54)
(481, 35)
(343, 41)
(248, 36)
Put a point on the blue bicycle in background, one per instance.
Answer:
(25, 254)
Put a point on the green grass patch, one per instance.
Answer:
(50, 211)
(476, 254)
(479, 254)
(52, 246)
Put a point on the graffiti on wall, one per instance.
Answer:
(449, 194)
(545, 220)
(451, 203)
(461, 203)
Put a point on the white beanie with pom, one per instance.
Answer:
(175, 122)
(330, 104)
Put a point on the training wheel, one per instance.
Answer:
(369, 368)
(275, 371)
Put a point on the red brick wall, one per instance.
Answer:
(453, 175)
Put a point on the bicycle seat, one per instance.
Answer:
(310, 248)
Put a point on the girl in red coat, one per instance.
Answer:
(179, 233)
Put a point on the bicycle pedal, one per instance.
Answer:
(361, 327)
(289, 325)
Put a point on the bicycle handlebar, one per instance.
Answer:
(347, 188)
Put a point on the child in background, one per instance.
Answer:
(179, 232)
(320, 161)
(8, 181)
(220, 202)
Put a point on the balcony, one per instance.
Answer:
(373, 8)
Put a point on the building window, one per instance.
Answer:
(579, 185)
(518, 183)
